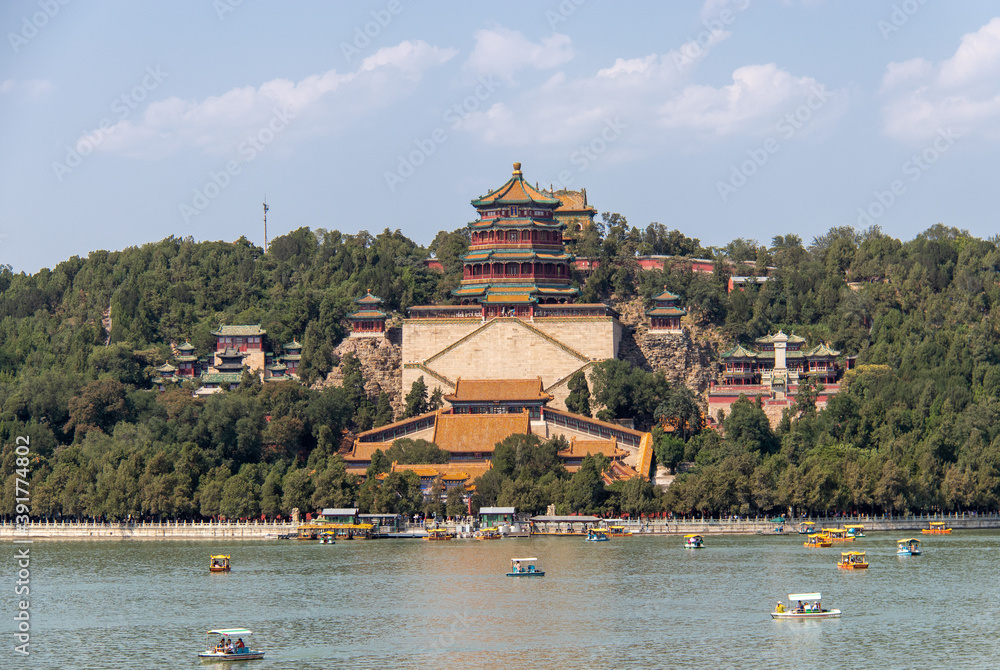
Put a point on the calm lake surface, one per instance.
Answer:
(641, 602)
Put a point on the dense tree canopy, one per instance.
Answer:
(913, 428)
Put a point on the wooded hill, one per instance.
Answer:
(914, 429)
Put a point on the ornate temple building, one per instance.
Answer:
(516, 257)
(485, 412)
(369, 319)
(773, 371)
(665, 315)
(517, 317)
(237, 349)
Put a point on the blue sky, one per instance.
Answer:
(124, 123)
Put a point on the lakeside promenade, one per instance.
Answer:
(265, 530)
(150, 530)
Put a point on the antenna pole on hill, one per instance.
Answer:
(265, 223)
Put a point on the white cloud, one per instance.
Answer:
(30, 88)
(654, 96)
(503, 52)
(217, 123)
(962, 92)
(758, 94)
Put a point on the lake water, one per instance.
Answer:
(641, 602)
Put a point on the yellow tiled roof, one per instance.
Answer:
(464, 471)
(478, 432)
(579, 448)
(472, 390)
(516, 190)
(363, 451)
(509, 298)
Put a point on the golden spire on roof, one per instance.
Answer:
(517, 169)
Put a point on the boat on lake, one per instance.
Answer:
(807, 527)
(438, 534)
(838, 534)
(818, 540)
(529, 570)
(908, 547)
(694, 542)
(799, 608)
(619, 531)
(856, 530)
(488, 534)
(328, 537)
(220, 563)
(228, 650)
(937, 528)
(598, 535)
(853, 560)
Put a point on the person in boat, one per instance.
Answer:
(817, 607)
(800, 608)
(517, 566)
(221, 647)
(780, 608)
(239, 645)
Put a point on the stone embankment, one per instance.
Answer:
(165, 530)
(910, 524)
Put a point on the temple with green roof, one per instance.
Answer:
(774, 369)
(369, 319)
(665, 316)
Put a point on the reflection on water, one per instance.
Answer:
(642, 602)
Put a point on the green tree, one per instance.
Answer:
(578, 400)
(416, 399)
(455, 502)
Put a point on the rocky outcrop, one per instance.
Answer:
(684, 359)
(381, 363)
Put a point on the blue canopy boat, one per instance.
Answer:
(530, 570)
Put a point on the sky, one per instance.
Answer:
(124, 123)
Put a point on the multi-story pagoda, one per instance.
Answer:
(369, 320)
(516, 257)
